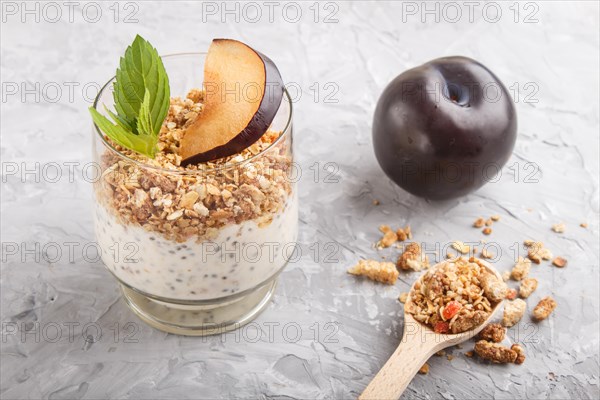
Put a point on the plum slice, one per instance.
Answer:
(244, 90)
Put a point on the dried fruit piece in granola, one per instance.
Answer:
(513, 312)
(493, 288)
(451, 309)
(521, 269)
(412, 258)
(559, 262)
(520, 353)
(511, 294)
(528, 286)
(384, 272)
(493, 333)
(441, 327)
(544, 308)
(495, 352)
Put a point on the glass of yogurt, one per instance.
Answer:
(197, 249)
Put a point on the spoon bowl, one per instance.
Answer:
(419, 342)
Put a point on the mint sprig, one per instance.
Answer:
(141, 96)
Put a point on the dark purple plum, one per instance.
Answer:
(445, 128)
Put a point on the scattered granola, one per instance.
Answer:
(376, 202)
(479, 222)
(450, 357)
(536, 251)
(403, 296)
(559, 262)
(388, 239)
(493, 333)
(404, 233)
(495, 352)
(513, 312)
(384, 272)
(412, 258)
(558, 228)
(487, 231)
(469, 353)
(495, 218)
(521, 269)
(489, 222)
(528, 286)
(520, 353)
(583, 225)
(456, 296)
(544, 308)
(424, 370)
(486, 254)
(461, 247)
(506, 276)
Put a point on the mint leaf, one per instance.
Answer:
(141, 96)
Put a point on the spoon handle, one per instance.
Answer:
(401, 367)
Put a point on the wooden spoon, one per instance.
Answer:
(419, 342)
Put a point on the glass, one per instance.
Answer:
(204, 262)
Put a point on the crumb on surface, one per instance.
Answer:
(544, 308)
(559, 262)
(424, 370)
(521, 269)
(583, 225)
(376, 202)
(527, 287)
(403, 297)
(487, 231)
(520, 353)
(412, 258)
(513, 312)
(384, 272)
(479, 222)
(558, 228)
(461, 247)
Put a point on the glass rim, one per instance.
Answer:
(204, 168)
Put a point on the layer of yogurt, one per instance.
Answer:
(239, 258)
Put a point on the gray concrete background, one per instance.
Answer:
(326, 334)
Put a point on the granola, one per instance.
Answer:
(520, 353)
(493, 333)
(495, 352)
(536, 251)
(186, 202)
(544, 308)
(412, 258)
(451, 298)
(528, 286)
(558, 228)
(384, 272)
(521, 269)
(513, 312)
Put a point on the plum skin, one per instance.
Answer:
(445, 128)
